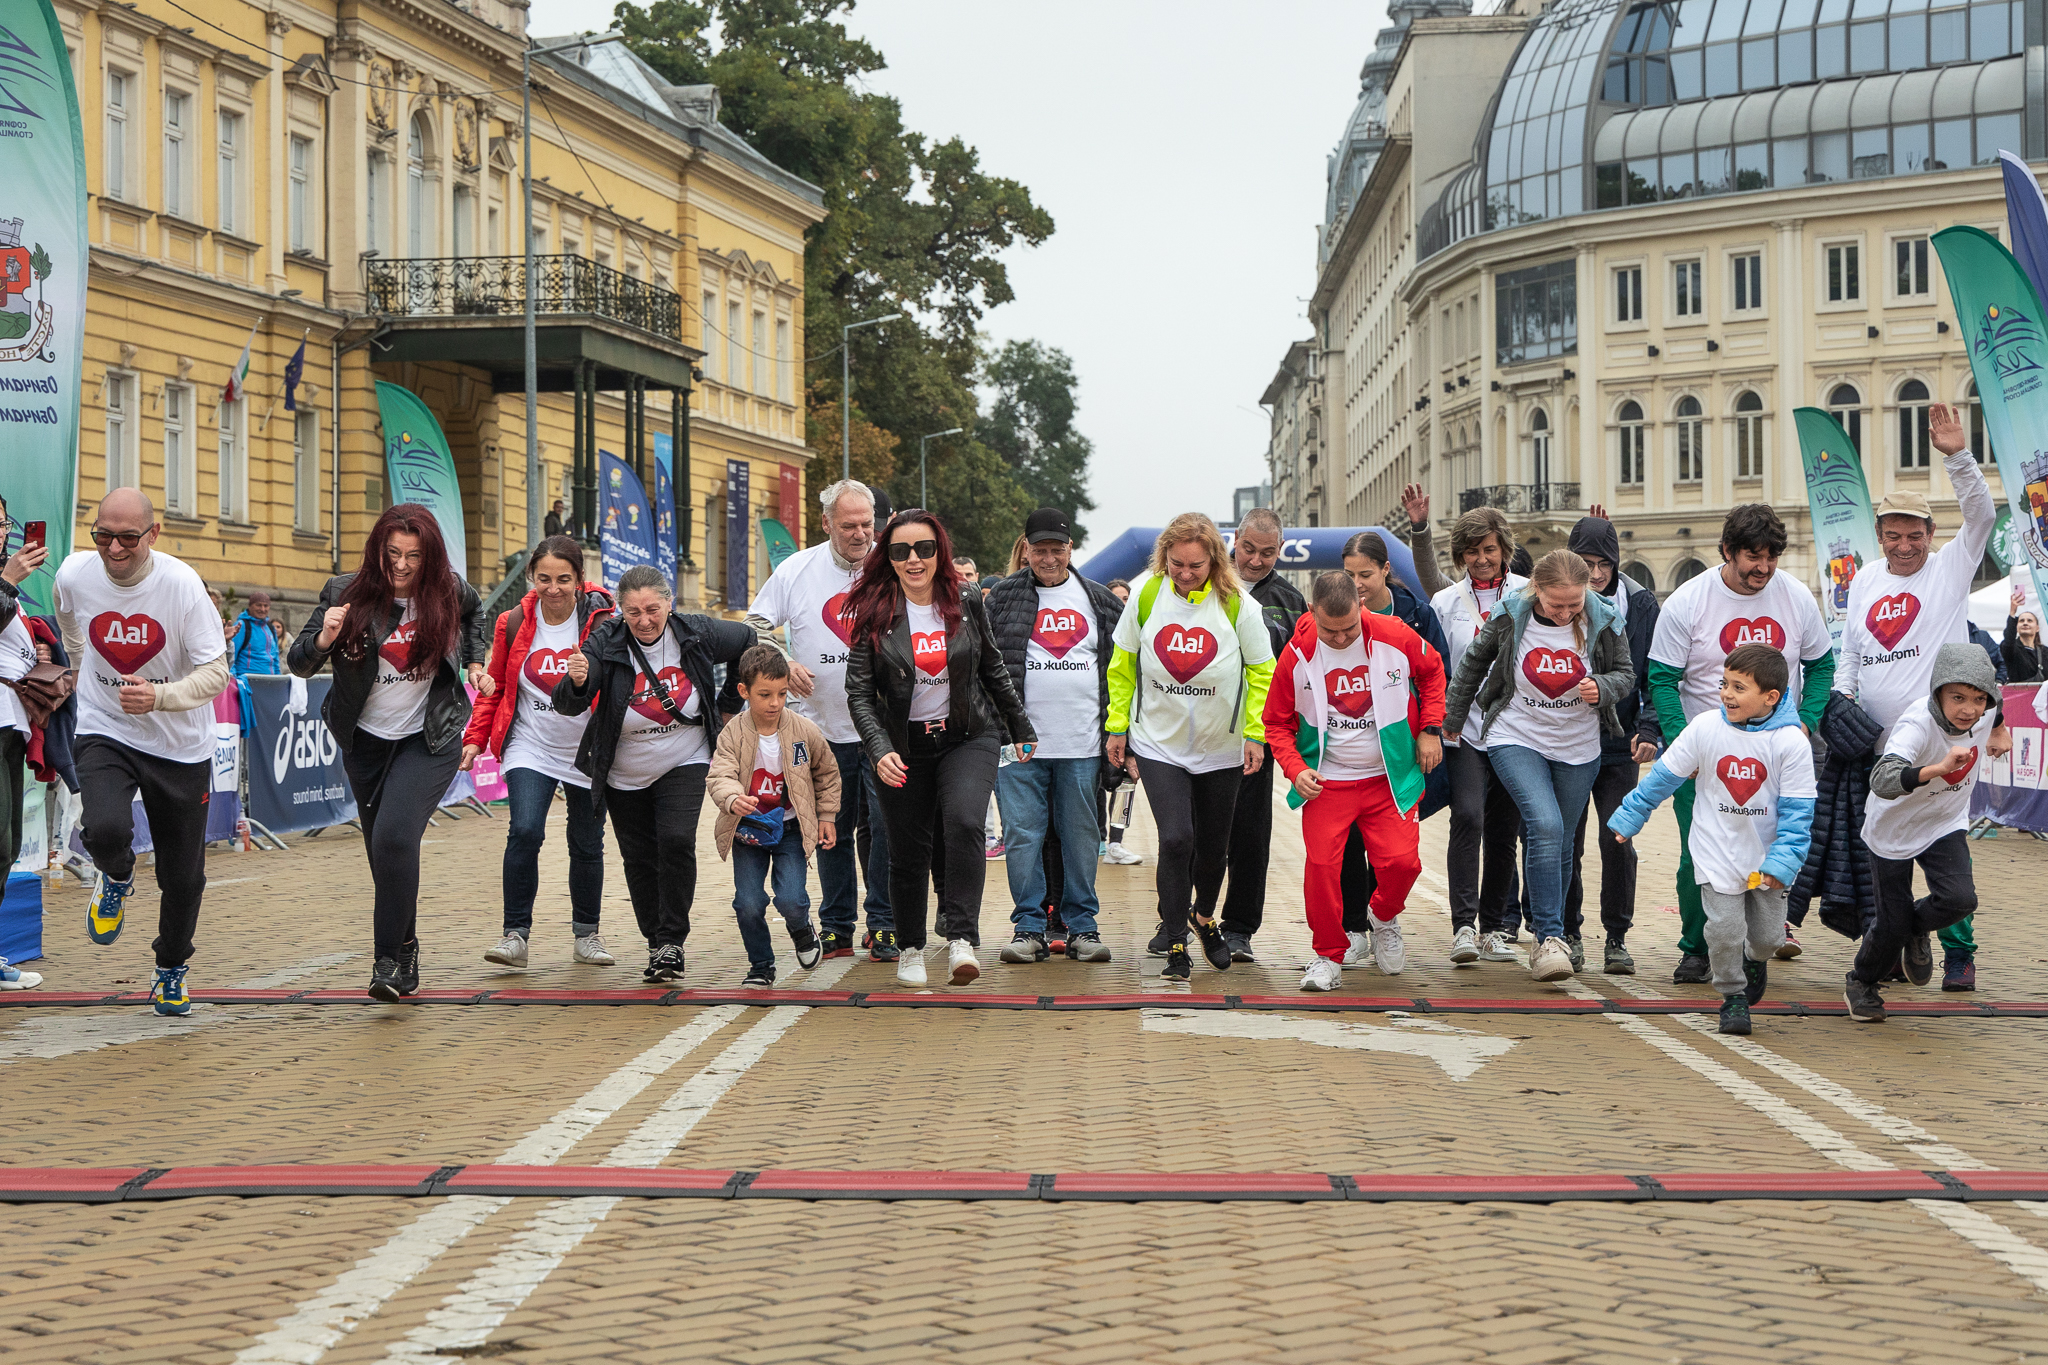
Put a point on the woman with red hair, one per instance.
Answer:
(929, 692)
(399, 633)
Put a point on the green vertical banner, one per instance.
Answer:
(2001, 319)
(43, 256)
(419, 467)
(1838, 498)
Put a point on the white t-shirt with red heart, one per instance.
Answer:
(1189, 704)
(766, 784)
(397, 704)
(1742, 776)
(1062, 683)
(1896, 626)
(1905, 827)
(1351, 736)
(544, 740)
(931, 691)
(808, 594)
(1705, 620)
(650, 744)
(1546, 713)
(160, 630)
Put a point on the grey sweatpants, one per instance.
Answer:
(1756, 918)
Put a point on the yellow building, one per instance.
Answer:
(348, 175)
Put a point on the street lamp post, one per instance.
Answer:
(846, 394)
(924, 497)
(533, 513)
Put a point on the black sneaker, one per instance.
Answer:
(1213, 946)
(409, 968)
(1616, 960)
(758, 978)
(1026, 947)
(1177, 965)
(1240, 946)
(1755, 976)
(837, 944)
(1055, 930)
(881, 945)
(1735, 1013)
(384, 980)
(1866, 1006)
(1160, 944)
(1918, 959)
(1577, 948)
(665, 963)
(808, 949)
(1087, 947)
(1692, 970)
(1958, 971)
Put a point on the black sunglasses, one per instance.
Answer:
(129, 539)
(901, 550)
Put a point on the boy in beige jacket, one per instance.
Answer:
(773, 772)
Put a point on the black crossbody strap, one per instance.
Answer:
(668, 703)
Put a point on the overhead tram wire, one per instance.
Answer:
(345, 80)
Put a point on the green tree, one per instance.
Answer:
(1031, 425)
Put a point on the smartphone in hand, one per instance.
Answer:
(35, 533)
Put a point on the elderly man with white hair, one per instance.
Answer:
(808, 594)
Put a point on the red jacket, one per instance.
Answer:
(1425, 683)
(491, 718)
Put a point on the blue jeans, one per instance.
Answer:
(838, 880)
(755, 871)
(1551, 796)
(1056, 794)
(532, 794)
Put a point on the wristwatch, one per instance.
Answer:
(1436, 730)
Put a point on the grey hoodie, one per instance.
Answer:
(1968, 664)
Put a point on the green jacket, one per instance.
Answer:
(1486, 674)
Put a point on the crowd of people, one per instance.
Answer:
(877, 699)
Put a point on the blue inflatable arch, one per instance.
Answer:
(1303, 547)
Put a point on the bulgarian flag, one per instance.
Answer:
(1391, 693)
(239, 376)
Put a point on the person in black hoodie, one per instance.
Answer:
(651, 672)
(1621, 756)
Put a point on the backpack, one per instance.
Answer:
(1149, 594)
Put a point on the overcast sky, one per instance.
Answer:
(1180, 148)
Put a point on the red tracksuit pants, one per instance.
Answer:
(1392, 848)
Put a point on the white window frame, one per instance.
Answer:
(462, 221)
(178, 153)
(1746, 278)
(306, 471)
(1688, 298)
(1688, 443)
(231, 137)
(783, 377)
(764, 382)
(735, 361)
(124, 430)
(1916, 445)
(1631, 449)
(117, 159)
(1850, 419)
(301, 158)
(377, 202)
(1627, 281)
(706, 313)
(232, 449)
(1749, 439)
(421, 229)
(1853, 272)
(181, 469)
(1923, 271)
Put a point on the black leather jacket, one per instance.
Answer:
(982, 698)
(447, 701)
(1012, 607)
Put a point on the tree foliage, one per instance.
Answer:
(1031, 425)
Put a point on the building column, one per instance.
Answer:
(1595, 485)
(277, 152)
(1785, 476)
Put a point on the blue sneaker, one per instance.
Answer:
(104, 914)
(13, 978)
(169, 994)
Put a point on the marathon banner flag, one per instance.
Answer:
(296, 781)
(1838, 498)
(664, 517)
(420, 469)
(2001, 319)
(625, 524)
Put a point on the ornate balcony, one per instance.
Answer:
(495, 286)
(1519, 498)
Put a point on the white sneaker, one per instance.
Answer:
(1552, 960)
(1360, 951)
(1322, 975)
(961, 963)
(1465, 945)
(910, 967)
(1389, 953)
(1121, 856)
(590, 948)
(1495, 946)
(510, 951)
(13, 978)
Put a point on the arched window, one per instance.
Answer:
(1640, 572)
(1631, 462)
(1692, 441)
(419, 205)
(1686, 571)
(1980, 441)
(1845, 405)
(1749, 435)
(1913, 442)
(1539, 453)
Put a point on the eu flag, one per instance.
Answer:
(294, 371)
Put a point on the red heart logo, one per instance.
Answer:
(1741, 776)
(1960, 775)
(127, 642)
(1891, 617)
(838, 619)
(647, 704)
(1350, 689)
(1760, 630)
(767, 788)
(1184, 652)
(1553, 672)
(546, 667)
(396, 649)
(1059, 629)
(929, 647)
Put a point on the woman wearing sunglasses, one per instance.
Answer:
(930, 695)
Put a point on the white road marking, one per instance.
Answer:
(1457, 1051)
(469, 1315)
(285, 976)
(321, 1322)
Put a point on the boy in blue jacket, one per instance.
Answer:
(1753, 770)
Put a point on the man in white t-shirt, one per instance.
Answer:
(808, 594)
(151, 658)
(1054, 629)
(1749, 600)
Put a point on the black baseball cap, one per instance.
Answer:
(1047, 523)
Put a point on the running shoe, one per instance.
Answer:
(910, 967)
(881, 945)
(1322, 975)
(1121, 856)
(1087, 946)
(758, 979)
(590, 948)
(1210, 935)
(1692, 969)
(105, 912)
(1735, 1013)
(1756, 977)
(1958, 971)
(409, 968)
(1240, 947)
(809, 952)
(1866, 1006)
(1178, 966)
(1615, 959)
(1389, 953)
(1497, 946)
(1027, 947)
(837, 944)
(169, 994)
(509, 951)
(1552, 961)
(1918, 959)
(993, 852)
(13, 978)
(1577, 947)
(1790, 948)
(665, 963)
(384, 980)
(1465, 945)
(1101, 849)
(1160, 944)
(1360, 951)
(961, 964)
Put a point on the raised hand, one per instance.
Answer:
(1415, 502)
(1946, 430)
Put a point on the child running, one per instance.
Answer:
(1355, 717)
(1921, 814)
(1753, 767)
(772, 763)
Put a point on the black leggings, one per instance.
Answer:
(948, 787)
(1193, 812)
(174, 797)
(1951, 897)
(656, 827)
(398, 784)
